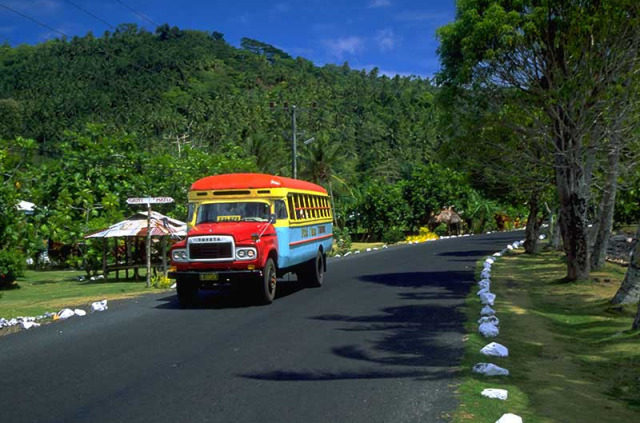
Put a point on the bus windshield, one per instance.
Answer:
(233, 212)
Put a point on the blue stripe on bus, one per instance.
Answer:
(291, 255)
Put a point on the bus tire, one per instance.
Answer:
(187, 293)
(313, 273)
(266, 291)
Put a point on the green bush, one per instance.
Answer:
(441, 229)
(392, 235)
(12, 266)
(342, 242)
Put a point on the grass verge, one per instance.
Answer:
(572, 356)
(43, 291)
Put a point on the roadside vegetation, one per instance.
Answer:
(39, 292)
(572, 357)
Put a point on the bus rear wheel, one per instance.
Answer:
(187, 292)
(312, 274)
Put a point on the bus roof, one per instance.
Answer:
(252, 180)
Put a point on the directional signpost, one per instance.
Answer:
(149, 201)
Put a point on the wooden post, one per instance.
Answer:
(164, 255)
(148, 244)
(105, 245)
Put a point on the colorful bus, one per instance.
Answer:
(248, 229)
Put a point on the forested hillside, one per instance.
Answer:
(193, 86)
(87, 122)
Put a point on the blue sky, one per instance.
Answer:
(397, 36)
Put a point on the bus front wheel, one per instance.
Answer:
(187, 292)
(267, 284)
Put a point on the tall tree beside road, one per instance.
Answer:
(622, 152)
(566, 59)
(629, 291)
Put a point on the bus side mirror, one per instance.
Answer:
(272, 218)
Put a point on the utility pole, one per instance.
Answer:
(294, 141)
(294, 132)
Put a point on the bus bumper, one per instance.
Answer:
(215, 277)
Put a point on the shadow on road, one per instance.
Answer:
(422, 340)
(222, 298)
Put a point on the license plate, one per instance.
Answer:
(208, 276)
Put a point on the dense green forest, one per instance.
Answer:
(88, 121)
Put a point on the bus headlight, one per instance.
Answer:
(246, 253)
(179, 254)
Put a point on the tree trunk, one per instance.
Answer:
(573, 193)
(555, 241)
(629, 291)
(532, 230)
(607, 205)
(636, 321)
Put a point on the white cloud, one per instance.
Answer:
(386, 39)
(342, 46)
(379, 3)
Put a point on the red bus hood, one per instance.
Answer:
(241, 231)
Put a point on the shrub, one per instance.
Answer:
(12, 266)
(161, 282)
(342, 241)
(392, 235)
(441, 229)
(424, 235)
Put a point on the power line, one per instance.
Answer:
(138, 13)
(90, 14)
(34, 20)
(67, 36)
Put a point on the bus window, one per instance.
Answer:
(280, 209)
(191, 209)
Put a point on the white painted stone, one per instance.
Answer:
(29, 325)
(489, 330)
(79, 312)
(493, 393)
(487, 311)
(509, 418)
(485, 274)
(487, 298)
(484, 283)
(368, 250)
(65, 313)
(483, 291)
(99, 305)
(489, 260)
(489, 319)
(495, 350)
(490, 369)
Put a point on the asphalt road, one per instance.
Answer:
(380, 342)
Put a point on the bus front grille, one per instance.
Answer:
(211, 251)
